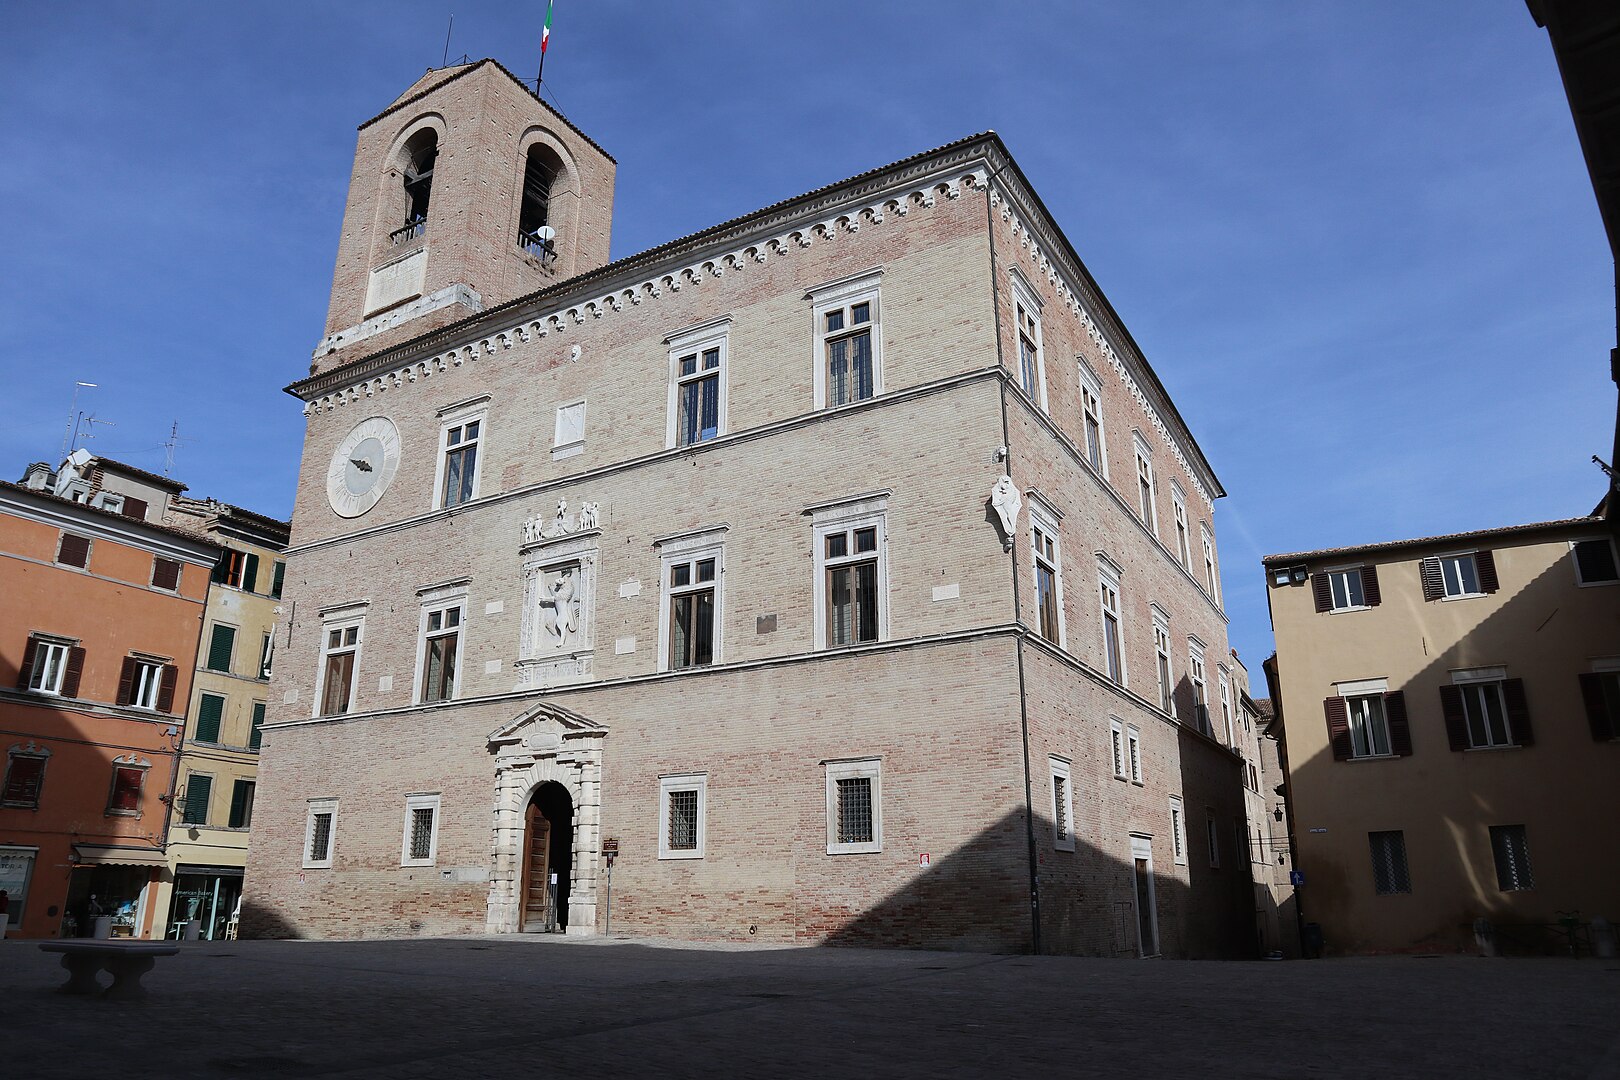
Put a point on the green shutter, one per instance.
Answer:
(250, 576)
(222, 569)
(198, 790)
(258, 722)
(209, 712)
(241, 804)
(219, 648)
(276, 577)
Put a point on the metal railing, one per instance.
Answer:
(409, 231)
(533, 244)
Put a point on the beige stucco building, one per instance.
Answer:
(840, 573)
(1449, 708)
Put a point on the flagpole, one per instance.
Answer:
(545, 39)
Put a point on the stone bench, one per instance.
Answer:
(126, 961)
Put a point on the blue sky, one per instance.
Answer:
(1356, 241)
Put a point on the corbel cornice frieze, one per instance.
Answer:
(756, 242)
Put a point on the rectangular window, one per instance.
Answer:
(1178, 507)
(145, 682)
(277, 579)
(221, 644)
(1345, 588)
(1211, 582)
(1091, 421)
(210, 716)
(691, 612)
(1595, 562)
(854, 807)
(1486, 714)
(1195, 676)
(847, 340)
(1161, 650)
(1031, 362)
(25, 777)
(1048, 577)
(339, 657)
(850, 560)
(682, 815)
(267, 650)
(1213, 834)
(1369, 727)
(1116, 743)
(165, 574)
(1390, 876)
(697, 359)
(441, 646)
(460, 462)
(1226, 706)
(1113, 641)
(1133, 747)
(1062, 805)
(242, 803)
(1146, 488)
(1512, 851)
(231, 568)
(320, 832)
(199, 789)
(255, 735)
(48, 674)
(1178, 830)
(420, 846)
(73, 551)
(125, 794)
(1460, 575)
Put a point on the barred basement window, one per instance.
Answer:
(682, 808)
(1062, 805)
(320, 828)
(421, 834)
(854, 807)
(1390, 876)
(1133, 740)
(1512, 851)
(1178, 830)
(1116, 736)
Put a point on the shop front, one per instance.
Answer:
(206, 895)
(16, 874)
(113, 884)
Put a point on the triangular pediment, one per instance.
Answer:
(545, 724)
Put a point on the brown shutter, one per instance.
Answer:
(165, 700)
(1434, 586)
(126, 680)
(1400, 731)
(1369, 586)
(1323, 590)
(1597, 707)
(166, 574)
(75, 668)
(1485, 563)
(27, 669)
(1518, 711)
(74, 551)
(1338, 722)
(1451, 706)
(134, 508)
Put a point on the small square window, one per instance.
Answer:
(73, 551)
(682, 815)
(166, 574)
(854, 807)
(420, 846)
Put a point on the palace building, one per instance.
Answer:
(841, 573)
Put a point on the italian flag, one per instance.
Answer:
(545, 34)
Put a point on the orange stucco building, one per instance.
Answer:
(100, 615)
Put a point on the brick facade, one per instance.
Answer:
(960, 702)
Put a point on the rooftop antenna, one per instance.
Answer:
(169, 447)
(72, 419)
(90, 423)
(446, 61)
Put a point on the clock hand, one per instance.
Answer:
(360, 463)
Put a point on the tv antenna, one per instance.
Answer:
(169, 448)
(72, 419)
(89, 423)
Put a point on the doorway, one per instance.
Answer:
(548, 854)
(1147, 911)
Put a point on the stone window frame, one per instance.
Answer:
(829, 296)
(847, 515)
(677, 782)
(1178, 830)
(341, 617)
(1198, 680)
(1108, 581)
(1148, 500)
(1133, 754)
(1091, 387)
(1212, 573)
(1028, 301)
(453, 417)
(868, 768)
(444, 596)
(1183, 524)
(133, 764)
(315, 808)
(691, 547)
(1116, 747)
(429, 800)
(1044, 518)
(1163, 673)
(695, 340)
(1061, 770)
(33, 752)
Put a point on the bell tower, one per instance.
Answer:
(467, 192)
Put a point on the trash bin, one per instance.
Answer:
(103, 927)
(1311, 942)
(1603, 938)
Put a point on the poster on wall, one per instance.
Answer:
(15, 866)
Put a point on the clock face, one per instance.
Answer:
(362, 467)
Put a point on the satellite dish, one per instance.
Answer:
(545, 234)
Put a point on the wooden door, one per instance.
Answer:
(536, 871)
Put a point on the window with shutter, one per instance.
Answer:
(1600, 692)
(165, 575)
(134, 508)
(1511, 848)
(1595, 562)
(241, 804)
(220, 646)
(255, 735)
(25, 777)
(199, 787)
(278, 575)
(250, 573)
(73, 551)
(210, 711)
(125, 797)
(1390, 874)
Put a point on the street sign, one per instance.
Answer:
(1296, 877)
(610, 846)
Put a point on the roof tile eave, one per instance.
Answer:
(1422, 541)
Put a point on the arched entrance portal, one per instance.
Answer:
(548, 848)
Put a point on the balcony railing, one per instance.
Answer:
(540, 247)
(409, 231)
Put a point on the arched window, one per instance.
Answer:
(421, 151)
(540, 170)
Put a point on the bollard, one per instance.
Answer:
(1603, 939)
(1485, 937)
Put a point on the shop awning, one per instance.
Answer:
(208, 871)
(119, 856)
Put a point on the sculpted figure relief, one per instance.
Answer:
(1006, 501)
(559, 607)
(588, 516)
